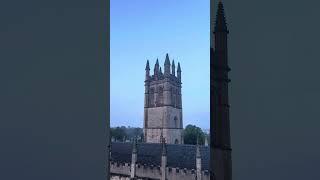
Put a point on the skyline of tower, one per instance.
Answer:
(152, 40)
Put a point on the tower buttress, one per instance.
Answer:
(133, 159)
(164, 160)
(198, 161)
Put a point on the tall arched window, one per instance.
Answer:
(160, 96)
(173, 97)
(175, 120)
(151, 102)
(177, 98)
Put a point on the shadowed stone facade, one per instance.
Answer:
(219, 99)
(163, 103)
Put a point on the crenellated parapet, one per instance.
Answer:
(118, 168)
(154, 172)
(158, 161)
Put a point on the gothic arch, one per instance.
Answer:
(177, 98)
(160, 95)
(175, 119)
(151, 103)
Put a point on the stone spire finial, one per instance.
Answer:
(147, 70)
(220, 25)
(147, 66)
(167, 61)
(156, 69)
(173, 68)
(167, 65)
(179, 72)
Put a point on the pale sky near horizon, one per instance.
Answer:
(142, 30)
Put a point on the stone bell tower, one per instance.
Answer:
(163, 104)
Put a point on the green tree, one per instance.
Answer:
(118, 133)
(126, 133)
(191, 133)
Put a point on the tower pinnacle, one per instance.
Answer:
(167, 65)
(220, 25)
(147, 66)
(179, 72)
(173, 68)
(167, 61)
(156, 69)
(147, 70)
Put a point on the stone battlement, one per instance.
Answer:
(154, 172)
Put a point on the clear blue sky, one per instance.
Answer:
(148, 29)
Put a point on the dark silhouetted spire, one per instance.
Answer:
(179, 72)
(160, 71)
(167, 61)
(173, 68)
(167, 66)
(221, 25)
(147, 66)
(147, 70)
(219, 100)
(156, 69)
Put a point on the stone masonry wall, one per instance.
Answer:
(168, 118)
